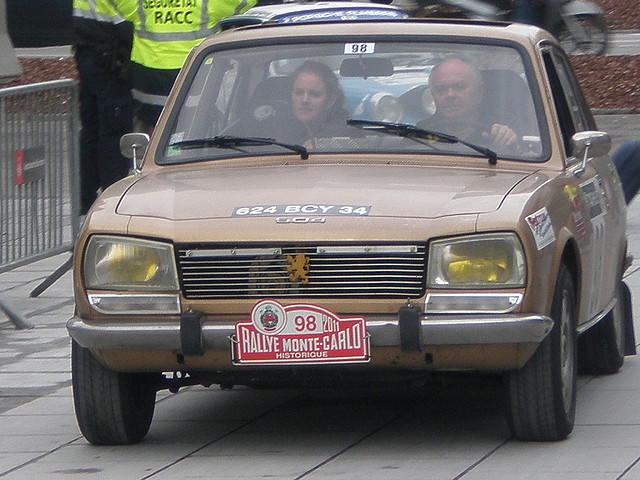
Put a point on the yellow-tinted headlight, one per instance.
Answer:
(126, 263)
(480, 261)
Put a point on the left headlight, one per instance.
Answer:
(479, 261)
(121, 263)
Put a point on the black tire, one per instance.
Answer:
(111, 408)
(542, 394)
(595, 41)
(601, 349)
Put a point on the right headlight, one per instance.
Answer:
(494, 260)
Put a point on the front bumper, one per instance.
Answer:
(384, 331)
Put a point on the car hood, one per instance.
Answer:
(385, 191)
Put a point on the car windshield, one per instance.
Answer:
(288, 99)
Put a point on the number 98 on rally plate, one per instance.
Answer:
(298, 334)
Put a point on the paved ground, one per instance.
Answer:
(452, 433)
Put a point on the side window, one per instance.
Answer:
(573, 114)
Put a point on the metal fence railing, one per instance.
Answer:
(39, 173)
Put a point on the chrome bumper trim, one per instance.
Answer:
(383, 330)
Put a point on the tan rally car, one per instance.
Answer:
(310, 210)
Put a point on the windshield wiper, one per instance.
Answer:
(417, 134)
(230, 141)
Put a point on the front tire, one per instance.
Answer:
(112, 408)
(542, 394)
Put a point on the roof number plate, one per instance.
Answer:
(359, 48)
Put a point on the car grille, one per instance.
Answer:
(336, 271)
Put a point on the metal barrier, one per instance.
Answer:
(39, 172)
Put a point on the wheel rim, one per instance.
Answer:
(567, 349)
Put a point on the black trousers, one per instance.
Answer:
(106, 113)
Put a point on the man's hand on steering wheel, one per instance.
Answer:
(501, 135)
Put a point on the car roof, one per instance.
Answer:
(470, 30)
(288, 13)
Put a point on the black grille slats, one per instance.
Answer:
(395, 271)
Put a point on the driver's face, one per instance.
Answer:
(456, 92)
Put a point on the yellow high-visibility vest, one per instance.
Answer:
(99, 10)
(165, 31)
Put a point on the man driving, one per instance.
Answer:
(457, 89)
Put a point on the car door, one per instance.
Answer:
(589, 188)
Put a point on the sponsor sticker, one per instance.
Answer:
(593, 196)
(298, 334)
(572, 195)
(540, 225)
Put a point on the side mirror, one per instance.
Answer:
(597, 144)
(589, 144)
(133, 146)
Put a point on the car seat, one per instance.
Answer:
(267, 110)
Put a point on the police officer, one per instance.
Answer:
(102, 50)
(165, 31)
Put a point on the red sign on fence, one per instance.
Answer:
(29, 165)
(19, 168)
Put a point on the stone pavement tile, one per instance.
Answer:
(634, 472)
(432, 452)
(83, 460)
(245, 443)
(28, 308)
(10, 460)
(627, 379)
(53, 423)
(64, 353)
(46, 364)
(87, 465)
(277, 457)
(43, 336)
(47, 264)
(38, 334)
(580, 457)
(33, 401)
(23, 347)
(35, 436)
(611, 399)
(58, 403)
(56, 319)
(597, 408)
(31, 379)
(391, 467)
(37, 443)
